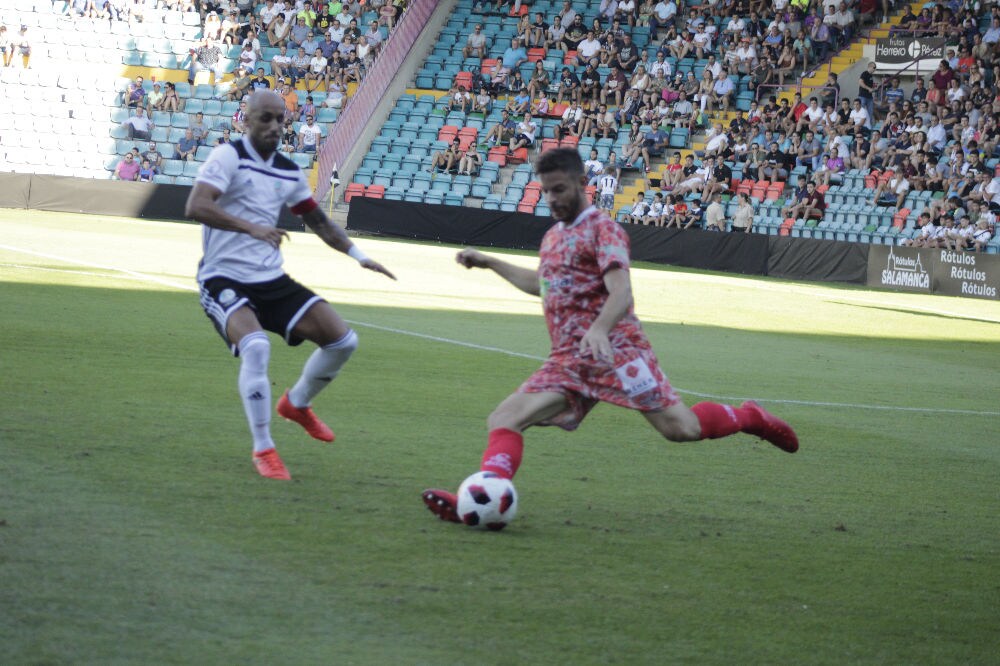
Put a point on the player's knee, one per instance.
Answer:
(678, 427)
(349, 343)
(255, 351)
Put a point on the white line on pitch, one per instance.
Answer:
(499, 350)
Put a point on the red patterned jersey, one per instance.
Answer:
(573, 261)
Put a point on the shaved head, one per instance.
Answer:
(264, 99)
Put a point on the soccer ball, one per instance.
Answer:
(487, 501)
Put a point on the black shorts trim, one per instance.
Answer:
(278, 305)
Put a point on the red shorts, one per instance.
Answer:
(634, 381)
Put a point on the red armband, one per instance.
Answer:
(304, 207)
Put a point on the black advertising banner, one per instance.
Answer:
(934, 271)
(904, 50)
(966, 274)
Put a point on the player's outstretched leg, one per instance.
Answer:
(305, 417)
(502, 456)
(719, 420)
(769, 427)
(322, 367)
(255, 392)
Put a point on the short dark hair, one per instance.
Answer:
(560, 159)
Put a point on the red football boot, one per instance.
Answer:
(771, 428)
(442, 504)
(305, 418)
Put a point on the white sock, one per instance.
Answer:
(322, 366)
(255, 388)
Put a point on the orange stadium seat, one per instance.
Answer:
(536, 54)
(549, 144)
(498, 155)
(375, 191)
(520, 156)
(354, 190)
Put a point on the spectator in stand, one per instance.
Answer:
(212, 30)
(475, 43)
(663, 15)
(154, 99)
(153, 156)
(364, 53)
(241, 85)
(513, 57)
(892, 191)
(447, 159)
(199, 128)
(524, 135)
(139, 126)
(503, 131)
(301, 62)
(260, 81)
(187, 146)
(308, 109)
(375, 38)
(576, 31)
(471, 161)
(6, 47)
(23, 43)
(127, 168)
(206, 58)
(238, 120)
(281, 65)
(555, 34)
(615, 85)
(460, 99)
(171, 100)
(569, 86)
(318, 72)
(135, 94)
(810, 207)
(299, 33)
(540, 80)
(278, 31)
(146, 172)
(310, 135)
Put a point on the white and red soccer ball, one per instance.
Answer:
(487, 501)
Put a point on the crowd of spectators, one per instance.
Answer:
(933, 135)
(316, 46)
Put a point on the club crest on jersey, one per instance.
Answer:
(227, 296)
(636, 377)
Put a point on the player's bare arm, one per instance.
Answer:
(525, 279)
(202, 206)
(595, 341)
(335, 237)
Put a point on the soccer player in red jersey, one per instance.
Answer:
(599, 350)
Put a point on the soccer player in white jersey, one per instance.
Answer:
(237, 197)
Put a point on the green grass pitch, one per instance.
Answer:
(133, 529)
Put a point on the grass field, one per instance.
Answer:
(133, 528)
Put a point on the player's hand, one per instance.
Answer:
(270, 235)
(377, 267)
(596, 345)
(472, 258)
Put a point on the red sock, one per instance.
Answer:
(503, 453)
(720, 420)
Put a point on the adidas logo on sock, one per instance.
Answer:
(501, 460)
(256, 395)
